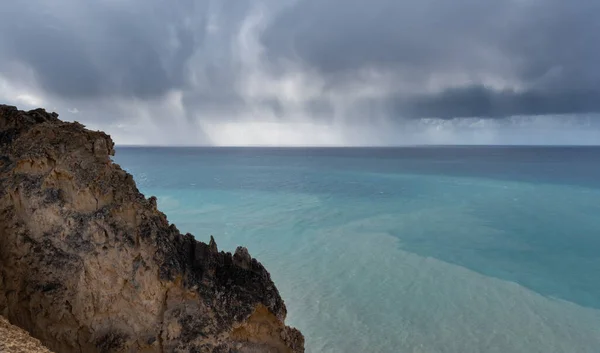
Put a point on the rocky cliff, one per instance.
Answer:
(88, 264)
(15, 340)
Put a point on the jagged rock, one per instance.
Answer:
(88, 264)
(242, 258)
(212, 244)
(15, 340)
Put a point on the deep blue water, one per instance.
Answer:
(426, 249)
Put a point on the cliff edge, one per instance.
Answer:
(88, 264)
(15, 340)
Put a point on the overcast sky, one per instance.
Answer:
(309, 72)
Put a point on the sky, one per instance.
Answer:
(309, 72)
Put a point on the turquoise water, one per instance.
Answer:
(446, 249)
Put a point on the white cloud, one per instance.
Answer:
(30, 100)
(20, 94)
(262, 133)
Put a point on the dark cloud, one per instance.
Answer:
(86, 49)
(435, 58)
(479, 101)
(546, 49)
(346, 35)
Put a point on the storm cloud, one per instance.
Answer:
(87, 49)
(324, 72)
(453, 58)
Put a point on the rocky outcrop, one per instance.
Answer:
(15, 340)
(88, 264)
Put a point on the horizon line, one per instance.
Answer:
(352, 146)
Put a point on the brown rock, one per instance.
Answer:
(88, 264)
(15, 340)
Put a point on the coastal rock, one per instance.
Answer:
(15, 340)
(88, 264)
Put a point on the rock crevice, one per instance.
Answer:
(88, 264)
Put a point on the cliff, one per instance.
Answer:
(88, 264)
(15, 340)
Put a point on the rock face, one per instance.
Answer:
(15, 340)
(88, 264)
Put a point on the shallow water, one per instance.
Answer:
(446, 249)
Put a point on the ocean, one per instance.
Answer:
(424, 249)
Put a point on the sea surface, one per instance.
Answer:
(425, 249)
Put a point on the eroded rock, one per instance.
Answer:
(88, 264)
(15, 340)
